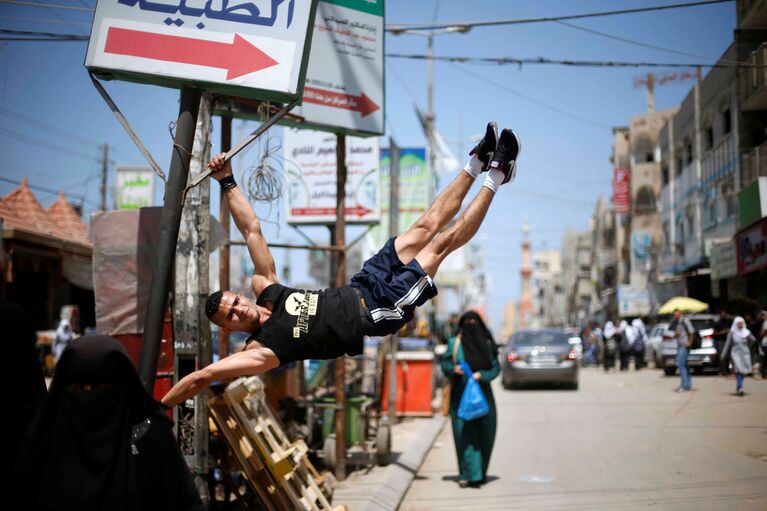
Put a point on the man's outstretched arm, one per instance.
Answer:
(247, 222)
(253, 361)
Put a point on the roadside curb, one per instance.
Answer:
(383, 488)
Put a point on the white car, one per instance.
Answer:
(652, 349)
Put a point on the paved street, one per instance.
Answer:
(623, 441)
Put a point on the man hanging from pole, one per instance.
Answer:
(286, 325)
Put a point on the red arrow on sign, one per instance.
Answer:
(358, 210)
(362, 104)
(239, 57)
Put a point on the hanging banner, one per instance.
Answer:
(135, 187)
(621, 190)
(256, 49)
(310, 176)
(413, 190)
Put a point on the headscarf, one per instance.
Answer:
(739, 334)
(22, 377)
(609, 330)
(479, 348)
(79, 447)
(64, 335)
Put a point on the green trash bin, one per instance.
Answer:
(355, 433)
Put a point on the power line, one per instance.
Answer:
(644, 45)
(401, 27)
(564, 62)
(44, 20)
(534, 100)
(43, 144)
(46, 127)
(46, 39)
(48, 6)
(35, 33)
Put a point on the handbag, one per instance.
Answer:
(473, 403)
(447, 387)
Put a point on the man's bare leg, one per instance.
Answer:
(448, 203)
(501, 170)
(457, 235)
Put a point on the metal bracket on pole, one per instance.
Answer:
(243, 144)
(124, 122)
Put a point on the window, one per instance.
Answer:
(726, 121)
(688, 152)
(645, 201)
(666, 234)
(664, 173)
(708, 138)
(679, 166)
(643, 149)
(711, 212)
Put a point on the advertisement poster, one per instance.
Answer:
(135, 187)
(621, 190)
(310, 178)
(752, 243)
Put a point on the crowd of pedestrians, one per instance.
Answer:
(740, 343)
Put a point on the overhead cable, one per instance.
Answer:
(398, 28)
(563, 62)
(48, 6)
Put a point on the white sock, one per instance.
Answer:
(474, 166)
(494, 179)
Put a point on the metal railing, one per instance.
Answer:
(754, 165)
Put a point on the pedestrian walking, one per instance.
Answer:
(286, 325)
(721, 331)
(474, 439)
(738, 349)
(640, 338)
(610, 345)
(64, 335)
(99, 441)
(626, 344)
(682, 330)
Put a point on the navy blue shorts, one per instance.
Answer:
(392, 290)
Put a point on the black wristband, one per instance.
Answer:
(227, 183)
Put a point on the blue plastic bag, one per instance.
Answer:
(473, 403)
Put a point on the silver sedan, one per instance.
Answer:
(540, 356)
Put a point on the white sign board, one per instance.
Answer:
(310, 176)
(345, 79)
(633, 301)
(255, 48)
(135, 187)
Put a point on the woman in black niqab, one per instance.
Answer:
(100, 441)
(478, 345)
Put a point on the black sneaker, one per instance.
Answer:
(506, 153)
(486, 147)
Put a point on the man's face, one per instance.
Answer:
(677, 314)
(722, 313)
(238, 314)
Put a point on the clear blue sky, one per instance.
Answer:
(563, 114)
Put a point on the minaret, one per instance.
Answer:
(526, 299)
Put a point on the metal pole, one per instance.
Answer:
(393, 231)
(169, 226)
(104, 170)
(340, 280)
(223, 268)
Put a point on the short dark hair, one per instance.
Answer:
(212, 304)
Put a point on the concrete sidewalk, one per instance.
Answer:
(382, 488)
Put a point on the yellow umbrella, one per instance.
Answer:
(684, 304)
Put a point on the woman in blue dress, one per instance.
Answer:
(473, 439)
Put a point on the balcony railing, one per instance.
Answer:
(754, 165)
(719, 162)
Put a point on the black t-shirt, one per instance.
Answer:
(311, 324)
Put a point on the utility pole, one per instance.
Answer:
(339, 239)
(169, 226)
(224, 256)
(104, 171)
(191, 329)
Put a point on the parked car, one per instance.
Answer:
(699, 359)
(652, 350)
(540, 356)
